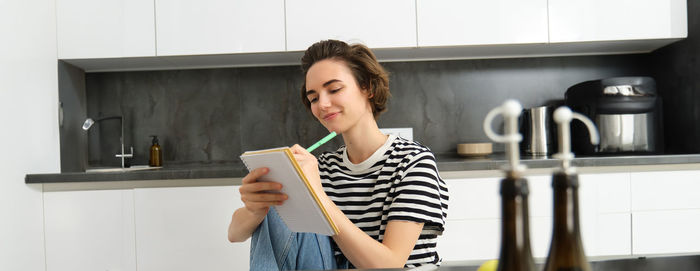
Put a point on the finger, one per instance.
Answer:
(259, 187)
(254, 175)
(296, 149)
(268, 197)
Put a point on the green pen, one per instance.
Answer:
(321, 142)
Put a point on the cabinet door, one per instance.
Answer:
(90, 230)
(665, 212)
(601, 20)
(377, 24)
(665, 190)
(473, 230)
(473, 22)
(185, 228)
(604, 214)
(102, 29)
(663, 232)
(219, 26)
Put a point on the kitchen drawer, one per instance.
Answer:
(665, 190)
(607, 235)
(465, 240)
(606, 193)
(663, 232)
(479, 198)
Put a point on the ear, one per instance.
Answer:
(367, 91)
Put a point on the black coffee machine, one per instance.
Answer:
(626, 111)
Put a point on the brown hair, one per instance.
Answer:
(368, 73)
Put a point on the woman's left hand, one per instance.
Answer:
(309, 165)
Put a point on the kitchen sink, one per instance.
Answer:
(118, 169)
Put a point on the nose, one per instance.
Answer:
(324, 100)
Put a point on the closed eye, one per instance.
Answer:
(314, 98)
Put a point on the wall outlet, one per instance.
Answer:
(406, 133)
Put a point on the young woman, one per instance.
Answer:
(383, 191)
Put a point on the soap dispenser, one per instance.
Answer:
(566, 249)
(515, 251)
(156, 159)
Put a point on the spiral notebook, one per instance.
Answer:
(302, 211)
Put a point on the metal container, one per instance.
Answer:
(537, 128)
(626, 132)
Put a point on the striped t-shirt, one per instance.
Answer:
(399, 181)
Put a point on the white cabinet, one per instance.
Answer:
(473, 239)
(608, 20)
(477, 22)
(185, 228)
(665, 232)
(377, 24)
(473, 230)
(604, 213)
(665, 190)
(474, 217)
(219, 26)
(90, 230)
(666, 212)
(105, 29)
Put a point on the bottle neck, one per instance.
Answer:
(566, 214)
(566, 249)
(515, 231)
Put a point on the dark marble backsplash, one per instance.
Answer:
(213, 115)
(676, 69)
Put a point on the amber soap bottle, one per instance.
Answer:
(156, 159)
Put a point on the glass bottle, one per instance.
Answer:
(515, 230)
(515, 252)
(566, 250)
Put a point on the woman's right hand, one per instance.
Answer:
(259, 196)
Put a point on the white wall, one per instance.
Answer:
(29, 137)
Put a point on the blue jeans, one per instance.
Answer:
(274, 247)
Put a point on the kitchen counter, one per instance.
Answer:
(689, 262)
(447, 163)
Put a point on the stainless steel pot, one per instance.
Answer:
(626, 132)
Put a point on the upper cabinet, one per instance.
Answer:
(608, 20)
(478, 22)
(187, 27)
(377, 24)
(99, 35)
(105, 29)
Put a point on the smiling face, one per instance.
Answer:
(337, 101)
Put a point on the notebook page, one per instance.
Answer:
(300, 212)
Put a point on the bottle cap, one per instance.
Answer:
(155, 139)
(510, 110)
(563, 116)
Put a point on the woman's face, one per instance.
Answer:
(336, 99)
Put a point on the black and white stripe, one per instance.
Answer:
(398, 182)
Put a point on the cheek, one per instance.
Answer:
(314, 110)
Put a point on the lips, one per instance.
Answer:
(330, 116)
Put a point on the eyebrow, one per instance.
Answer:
(311, 91)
